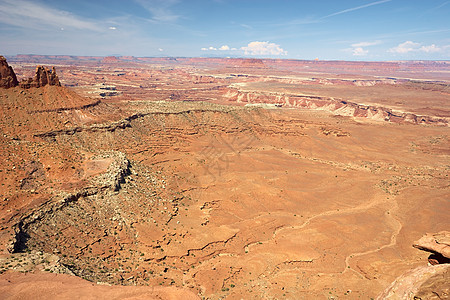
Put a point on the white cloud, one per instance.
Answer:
(366, 44)
(359, 48)
(221, 48)
(430, 49)
(112, 28)
(410, 46)
(359, 51)
(253, 48)
(263, 48)
(29, 14)
(405, 47)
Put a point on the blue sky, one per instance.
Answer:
(344, 30)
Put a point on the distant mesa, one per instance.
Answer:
(110, 59)
(131, 58)
(42, 77)
(252, 62)
(8, 78)
(246, 62)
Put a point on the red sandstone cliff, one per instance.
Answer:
(8, 78)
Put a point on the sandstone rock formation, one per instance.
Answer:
(42, 77)
(426, 282)
(438, 244)
(8, 78)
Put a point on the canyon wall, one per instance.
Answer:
(334, 105)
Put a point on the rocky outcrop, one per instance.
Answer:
(438, 244)
(43, 77)
(425, 282)
(8, 78)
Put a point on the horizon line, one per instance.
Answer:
(226, 57)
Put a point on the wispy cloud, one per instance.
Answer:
(425, 32)
(32, 15)
(161, 10)
(301, 21)
(441, 5)
(358, 49)
(246, 26)
(366, 44)
(355, 8)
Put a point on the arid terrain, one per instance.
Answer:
(220, 178)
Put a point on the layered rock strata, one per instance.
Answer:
(334, 105)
